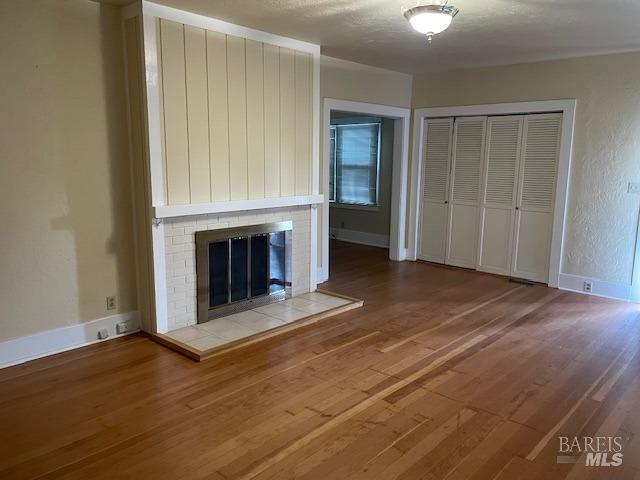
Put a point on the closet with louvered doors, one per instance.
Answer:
(500, 182)
(488, 188)
(434, 212)
(537, 176)
(451, 170)
(464, 191)
(519, 182)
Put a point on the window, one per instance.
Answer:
(353, 163)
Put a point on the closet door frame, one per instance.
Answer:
(566, 107)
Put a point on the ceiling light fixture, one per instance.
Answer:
(430, 19)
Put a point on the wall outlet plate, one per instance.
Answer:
(124, 327)
(587, 286)
(111, 303)
(634, 188)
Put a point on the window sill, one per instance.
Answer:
(354, 206)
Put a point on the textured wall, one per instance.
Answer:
(64, 174)
(602, 217)
(180, 254)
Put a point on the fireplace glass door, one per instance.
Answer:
(248, 269)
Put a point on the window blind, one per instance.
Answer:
(354, 166)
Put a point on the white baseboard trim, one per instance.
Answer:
(30, 347)
(363, 238)
(575, 283)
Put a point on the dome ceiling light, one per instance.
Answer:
(430, 19)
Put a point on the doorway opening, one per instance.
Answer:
(360, 174)
(365, 169)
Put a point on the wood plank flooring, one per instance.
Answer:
(443, 374)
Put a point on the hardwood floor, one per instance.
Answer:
(443, 374)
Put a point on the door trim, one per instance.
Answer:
(568, 109)
(399, 201)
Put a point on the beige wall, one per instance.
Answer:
(602, 217)
(64, 176)
(344, 80)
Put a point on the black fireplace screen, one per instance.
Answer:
(252, 265)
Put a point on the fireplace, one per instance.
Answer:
(241, 268)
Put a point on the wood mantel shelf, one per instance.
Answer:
(169, 211)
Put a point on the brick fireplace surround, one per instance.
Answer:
(180, 248)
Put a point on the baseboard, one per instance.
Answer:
(575, 283)
(363, 238)
(30, 347)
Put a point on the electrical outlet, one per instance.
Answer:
(634, 187)
(124, 327)
(103, 333)
(111, 303)
(587, 287)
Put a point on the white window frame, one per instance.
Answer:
(355, 206)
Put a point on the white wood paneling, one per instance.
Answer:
(255, 119)
(195, 46)
(303, 83)
(218, 116)
(271, 121)
(237, 91)
(287, 123)
(238, 116)
(175, 112)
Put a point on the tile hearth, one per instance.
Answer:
(217, 333)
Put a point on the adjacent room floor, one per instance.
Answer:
(444, 373)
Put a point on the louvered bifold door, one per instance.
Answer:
(464, 191)
(436, 163)
(497, 209)
(536, 196)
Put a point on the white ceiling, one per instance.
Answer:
(485, 32)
